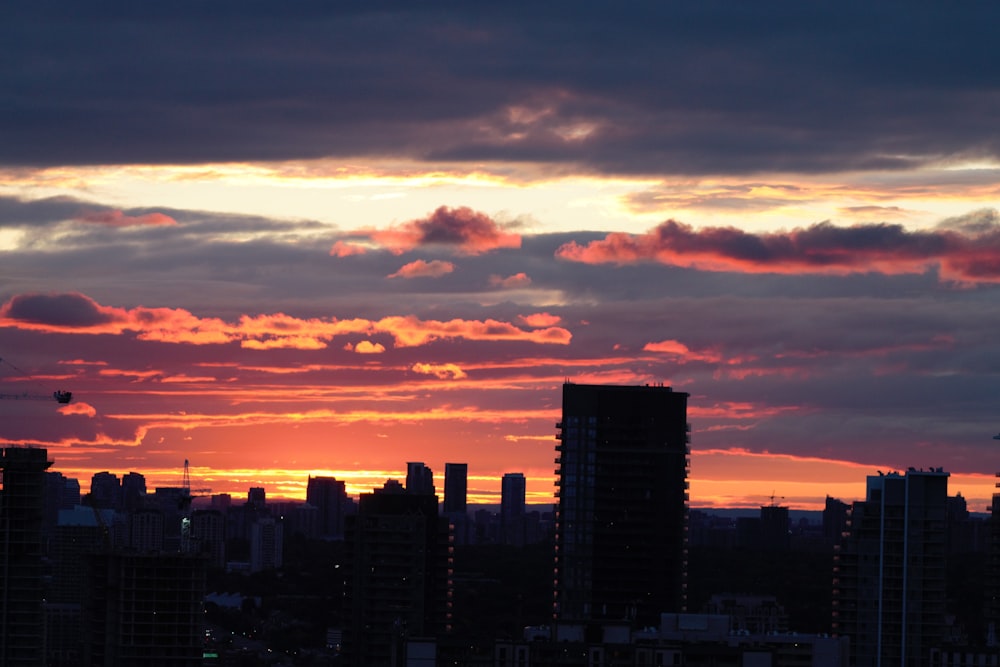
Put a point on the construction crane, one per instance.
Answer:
(62, 397)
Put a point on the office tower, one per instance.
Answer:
(221, 502)
(133, 491)
(622, 506)
(22, 508)
(208, 536)
(266, 544)
(146, 531)
(834, 520)
(774, 528)
(257, 498)
(398, 559)
(144, 609)
(512, 493)
(889, 570)
(419, 478)
(456, 477)
(105, 491)
(329, 496)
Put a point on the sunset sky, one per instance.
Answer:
(321, 238)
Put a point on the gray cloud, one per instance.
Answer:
(652, 88)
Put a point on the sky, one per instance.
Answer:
(290, 239)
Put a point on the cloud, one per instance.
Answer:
(510, 282)
(421, 269)
(78, 408)
(468, 231)
(540, 319)
(964, 251)
(70, 311)
(441, 371)
(344, 249)
(76, 313)
(114, 218)
(681, 352)
(368, 347)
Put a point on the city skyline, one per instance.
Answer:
(318, 241)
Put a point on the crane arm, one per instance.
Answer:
(57, 396)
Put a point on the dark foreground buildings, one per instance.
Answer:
(622, 464)
(22, 504)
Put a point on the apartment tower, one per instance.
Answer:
(22, 503)
(622, 463)
(889, 570)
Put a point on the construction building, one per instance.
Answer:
(622, 463)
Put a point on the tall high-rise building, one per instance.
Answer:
(105, 490)
(512, 494)
(889, 570)
(266, 544)
(22, 509)
(329, 496)
(133, 491)
(419, 478)
(398, 558)
(144, 609)
(622, 507)
(456, 483)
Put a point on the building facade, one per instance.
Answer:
(622, 463)
(22, 510)
(890, 570)
(399, 558)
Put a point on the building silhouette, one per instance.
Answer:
(512, 510)
(622, 464)
(329, 496)
(398, 580)
(890, 570)
(419, 478)
(456, 483)
(22, 510)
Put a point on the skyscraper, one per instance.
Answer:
(22, 619)
(889, 571)
(622, 466)
(329, 496)
(398, 557)
(419, 478)
(455, 487)
(512, 493)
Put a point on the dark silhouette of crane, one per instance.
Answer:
(63, 397)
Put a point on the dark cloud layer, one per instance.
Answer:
(645, 87)
(968, 251)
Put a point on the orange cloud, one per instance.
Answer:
(963, 251)
(113, 218)
(540, 319)
(77, 313)
(681, 351)
(410, 332)
(342, 249)
(469, 231)
(368, 347)
(441, 371)
(78, 408)
(510, 282)
(421, 269)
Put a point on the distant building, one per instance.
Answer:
(622, 507)
(133, 491)
(208, 536)
(512, 510)
(329, 496)
(22, 509)
(257, 498)
(398, 558)
(105, 490)
(775, 528)
(419, 478)
(834, 520)
(266, 545)
(455, 487)
(889, 571)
